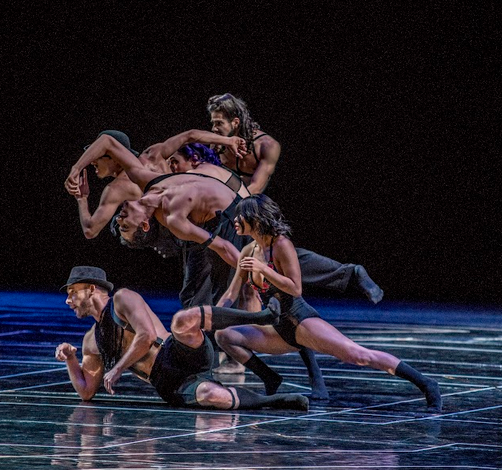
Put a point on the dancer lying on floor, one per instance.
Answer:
(128, 335)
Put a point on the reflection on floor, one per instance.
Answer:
(372, 420)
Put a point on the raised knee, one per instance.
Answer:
(221, 337)
(185, 321)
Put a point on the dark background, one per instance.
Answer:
(387, 112)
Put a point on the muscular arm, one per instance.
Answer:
(85, 378)
(132, 308)
(111, 198)
(268, 154)
(180, 226)
(106, 144)
(171, 145)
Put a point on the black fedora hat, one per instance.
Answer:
(88, 275)
(120, 137)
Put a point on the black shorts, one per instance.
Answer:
(290, 319)
(175, 363)
(186, 395)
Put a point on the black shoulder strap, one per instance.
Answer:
(126, 326)
(259, 137)
(156, 180)
(234, 182)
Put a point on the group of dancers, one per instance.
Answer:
(200, 195)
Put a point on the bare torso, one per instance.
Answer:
(196, 197)
(145, 364)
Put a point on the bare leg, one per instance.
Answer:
(187, 325)
(325, 338)
(248, 300)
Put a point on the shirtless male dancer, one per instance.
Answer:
(129, 335)
(230, 116)
(121, 188)
(187, 205)
(193, 207)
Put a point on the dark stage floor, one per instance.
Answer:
(372, 421)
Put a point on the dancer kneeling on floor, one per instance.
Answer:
(127, 334)
(270, 264)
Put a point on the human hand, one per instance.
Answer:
(83, 188)
(238, 147)
(251, 264)
(72, 183)
(65, 351)
(110, 379)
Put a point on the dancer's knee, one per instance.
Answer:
(359, 356)
(223, 338)
(212, 395)
(186, 322)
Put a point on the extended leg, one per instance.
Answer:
(320, 271)
(325, 338)
(249, 400)
(214, 395)
(222, 317)
(429, 387)
(187, 325)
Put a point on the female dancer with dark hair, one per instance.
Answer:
(270, 265)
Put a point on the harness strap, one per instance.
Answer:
(233, 399)
(127, 326)
(202, 317)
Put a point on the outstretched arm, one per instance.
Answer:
(236, 145)
(85, 378)
(269, 152)
(106, 144)
(132, 308)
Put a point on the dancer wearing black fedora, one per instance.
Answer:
(128, 335)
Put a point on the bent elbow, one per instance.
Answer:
(297, 291)
(192, 135)
(90, 234)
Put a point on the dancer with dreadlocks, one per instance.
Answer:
(127, 334)
(231, 117)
